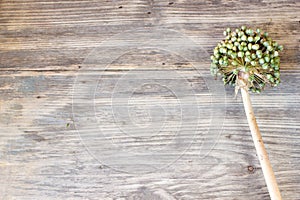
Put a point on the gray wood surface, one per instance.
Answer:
(114, 100)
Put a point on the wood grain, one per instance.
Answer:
(44, 46)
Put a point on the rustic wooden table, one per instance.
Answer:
(113, 100)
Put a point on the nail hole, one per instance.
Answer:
(120, 6)
(171, 3)
(251, 169)
(38, 97)
(149, 13)
(79, 67)
(163, 63)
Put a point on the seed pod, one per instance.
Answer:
(256, 39)
(280, 48)
(250, 39)
(249, 46)
(240, 54)
(253, 63)
(240, 47)
(270, 48)
(261, 61)
(248, 59)
(266, 44)
(233, 55)
(277, 74)
(267, 59)
(265, 66)
(255, 47)
(244, 38)
(229, 46)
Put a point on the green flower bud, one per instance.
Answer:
(261, 61)
(266, 34)
(253, 56)
(233, 39)
(249, 32)
(221, 62)
(255, 47)
(269, 76)
(216, 51)
(243, 28)
(223, 50)
(228, 30)
(236, 44)
(225, 63)
(248, 59)
(267, 59)
(249, 46)
(256, 39)
(266, 44)
(241, 47)
(270, 48)
(244, 38)
(233, 55)
(253, 63)
(276, 54)
(245, 49)
(259, 52)
(258, 30)
(240, 54)
(247, 53)
(224, 33)
(277, 74)
(280, 47)
(265, 66)
(250, 39)
(243, 43)
(234, 48)
(229, 46)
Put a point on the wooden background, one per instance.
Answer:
(44, 45)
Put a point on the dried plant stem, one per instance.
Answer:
(259, 145)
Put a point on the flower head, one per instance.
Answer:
(249, 51)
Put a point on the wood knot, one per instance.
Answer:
(251, 169)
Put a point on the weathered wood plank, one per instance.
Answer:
(51, 148)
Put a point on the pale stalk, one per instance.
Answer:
(259, 145)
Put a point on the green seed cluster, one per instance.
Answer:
(249, 51)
